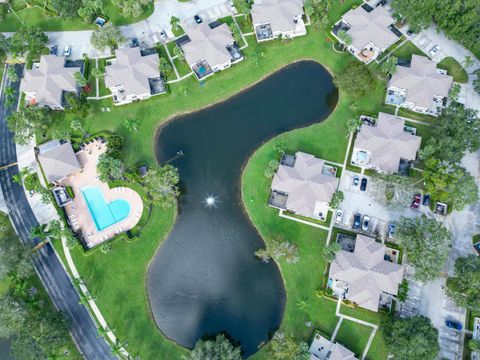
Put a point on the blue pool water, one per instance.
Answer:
(104, 214)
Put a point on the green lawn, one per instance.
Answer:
(117, 280)
(354, 335)
(406, 50)
(454, 69)
(48, 21)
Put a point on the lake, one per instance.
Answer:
(205, 278)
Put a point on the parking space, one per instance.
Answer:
(371, 203)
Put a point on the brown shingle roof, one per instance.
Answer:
(58, 160)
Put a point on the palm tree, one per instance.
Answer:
(178, 53)
(131, 124)
(18, 178)
(76, 125)
(12, 74)
(183, 89)
(38, 232)
(103, 331)
(303, 304)
(80, 79)
(97, 73)
(20, 288)
(263, 255)
(344, 38)
(174, 22)
(468, 62)
(353, 125)
(389, 65)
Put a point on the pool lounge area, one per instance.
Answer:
(98, 212)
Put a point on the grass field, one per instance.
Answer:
(454, 69)
(117, 280)
(406, 50)
(47, 21)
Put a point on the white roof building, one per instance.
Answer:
(422, 87)
(370, 31)
(46, 82)
(381, 147)
(366, 273)
(307, 187)
(58, 160)
(273, 18)
(130, 75)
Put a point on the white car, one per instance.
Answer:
(68, 51)
(434, 50)
(366, 223)
(339, 216)
(163, 35)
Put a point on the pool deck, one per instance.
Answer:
(77, 211)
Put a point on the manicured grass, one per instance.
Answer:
(354, 335)
(454, 69)
(48, 21)
(406, 50)
(178, 31)
(182, 67)
(117, 280)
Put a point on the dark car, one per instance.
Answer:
(453, 325)
(391, 230)
(198, 19)
(417, 200)
(53, 50)
(134, 43)
(356, 221)
(426, 200)
(363, 184)
(409, 32)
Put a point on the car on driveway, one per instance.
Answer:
(356, 180)
(338, 216)
(455, 325)
(391, 230)
(426, 200)
(356, 221)
(417, 200)
(67, 51)
(363, 184)
(434, 50)
(366, 223)
(53, 50)
(163, 35)
(134, 43)
(198, 19)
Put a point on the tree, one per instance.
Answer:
(178, 53)
(12, 74)
(356, 80)
(66, 8)
(468, 62)
(389, 66)
(60, 135)
(38, 232)
(271, 168)
(317, 11)
(330, 251)
(344, 38)
(109, 168)
(474, 345)
(10, 96)
(78, 104)
(97, 73)
(303, 304)
(463, 286)
(131, 124)
(115, 145)
(337, 199)
(403, 291)
(14, 259)
(132, 7)
(411, 338)
(220, 348)
(353, 125)
(476, 81)
(175, 23)
(276, 250)
(76, 125)
(161, 184)
(241, 6)
(80, 79)
(455, 131)
(426, 243)
(283, 347)
(28, 39)
(106, 36)
(89, 8)
(12, 315)
(164, 65)
(28, 121)
(451, 184)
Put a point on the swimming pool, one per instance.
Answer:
(104, 214)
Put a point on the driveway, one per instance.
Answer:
(146, 31)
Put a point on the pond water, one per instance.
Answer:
(205, 278)
(5, 350)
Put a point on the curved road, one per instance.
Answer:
(48, 265)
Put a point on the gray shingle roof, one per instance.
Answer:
(132, 70)
(369, 27)
(208, 44)
(279, 13)
(388, 142)
(421, 81)
(58, 160)
(366, 272)
(50, 80)
(340, 352)
(305, 184)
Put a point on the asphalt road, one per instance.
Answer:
(48, 265)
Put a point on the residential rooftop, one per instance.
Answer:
(421, 81)
(366, 272)
(46, 82)
(386, 143)
(58, 160)
(323, 349)
(282, 15)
